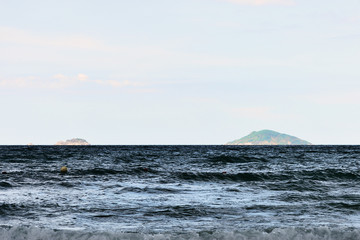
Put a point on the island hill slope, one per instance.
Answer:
(268, 137)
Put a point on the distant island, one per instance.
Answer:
(268, 137)
(74, 141)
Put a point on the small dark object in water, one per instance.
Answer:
(63, 170)
(3, 172)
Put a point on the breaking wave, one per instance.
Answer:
(32, 233)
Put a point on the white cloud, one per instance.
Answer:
(260, 113)
(253, 112)
(82, 77)
(21, 82)
(119, 84)
(204, 60)
(60, 81)
(261, 2)
(131, 59)
(334, 98)
(19, 36)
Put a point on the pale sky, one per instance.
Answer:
(179, 72)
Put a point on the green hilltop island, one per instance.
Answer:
(268, 137)
(74, 141)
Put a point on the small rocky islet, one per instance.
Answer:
(74, 141)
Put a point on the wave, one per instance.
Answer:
(5, 185)
(155, 190)
(110, 171)
(236, 159)
(292, 176)
(298, 176)
(23, 232)
(213, 176)
(290, 179)
(5, 208)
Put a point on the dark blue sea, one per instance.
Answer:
(180, 192)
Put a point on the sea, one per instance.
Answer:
(180, 192)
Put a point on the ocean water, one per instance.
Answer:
(180, 192)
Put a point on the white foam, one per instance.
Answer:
(34, 233)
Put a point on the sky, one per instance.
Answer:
(178, 72)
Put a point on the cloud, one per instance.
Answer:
(67, 50)
(260, 113)
(207, 60)
(82, 77)
(253, 112)
(119, 84)
(354, 19)
(60, 81)
(21, 82)
(19, 36)
(261, 2)
(334, 98)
